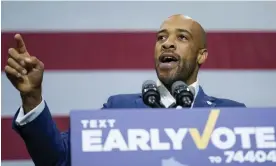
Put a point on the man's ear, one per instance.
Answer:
(202, 56)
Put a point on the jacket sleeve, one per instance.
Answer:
(23, 119)
(46, 145)
(44, 142)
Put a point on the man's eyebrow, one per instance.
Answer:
(178, 29)
(185, 31)
(162, 31)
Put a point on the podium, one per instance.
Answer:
(171, 137)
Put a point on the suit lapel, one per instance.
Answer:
(203, 100)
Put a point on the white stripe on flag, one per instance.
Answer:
(17, 163)
(67, 90)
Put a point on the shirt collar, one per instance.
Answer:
(166, 98)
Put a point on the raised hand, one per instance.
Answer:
(25, 73)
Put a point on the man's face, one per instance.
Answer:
(175, 51)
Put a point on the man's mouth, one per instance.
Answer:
(168, 61)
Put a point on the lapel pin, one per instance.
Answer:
(209, 102)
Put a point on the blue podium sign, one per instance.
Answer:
(171, 137)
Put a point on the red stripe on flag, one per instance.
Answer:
(13, 147)
(134, 50)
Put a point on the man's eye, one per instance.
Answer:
(182, 37)
(161, 38)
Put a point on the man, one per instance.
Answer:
(180, 50)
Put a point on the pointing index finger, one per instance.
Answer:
(21, 47)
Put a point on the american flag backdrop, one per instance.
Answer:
(92, 50)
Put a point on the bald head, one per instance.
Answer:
(184, 39)
(190, 24)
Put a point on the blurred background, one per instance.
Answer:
(92, 50)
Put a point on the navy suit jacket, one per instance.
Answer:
(50, 147)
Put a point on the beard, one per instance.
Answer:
(182, 73)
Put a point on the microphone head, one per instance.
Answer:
(183, 94)
(150, 93)
(177, 84)
(180, 84)
(148, 83)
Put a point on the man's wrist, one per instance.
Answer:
(31, 100)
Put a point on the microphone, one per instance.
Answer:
(150, 94)
(183, 95)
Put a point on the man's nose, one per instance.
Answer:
(169, 45)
